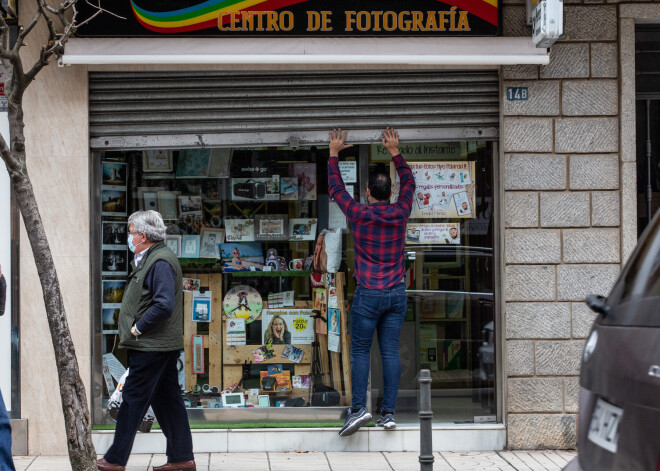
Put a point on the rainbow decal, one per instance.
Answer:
(202, 16)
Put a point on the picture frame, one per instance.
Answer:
(209, 243)
(168, 205)
(239, 230)
(212, 209)
(193, 163)
(113, 174)
(302, 228)
(141, 198)
(112, 292)
(157, 160)
(264, 400)
(190, 246)
(190, 205)
(114, 260)
(174, 243)
(113, 202)
(271, 227)
(114, 233)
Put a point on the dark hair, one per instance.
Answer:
(380, 184)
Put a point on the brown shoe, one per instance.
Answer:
(183, 466)
(103, 465)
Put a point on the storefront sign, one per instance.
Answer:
(294, 18)
(428, 234)
(420, 151)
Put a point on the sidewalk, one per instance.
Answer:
(334, 461)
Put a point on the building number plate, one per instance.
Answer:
(517, 93)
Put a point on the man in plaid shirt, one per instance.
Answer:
(379, 302)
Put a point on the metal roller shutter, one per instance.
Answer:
(178, 103)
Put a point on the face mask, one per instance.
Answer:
(132, 247)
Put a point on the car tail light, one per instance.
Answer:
(658, 467)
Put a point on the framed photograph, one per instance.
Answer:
(167, 203)
(241, 256)
(174, 243)
(114, 260)
(151, 200)
(212, 210)
(113, 202)
(210, 243)
(239, 230)
(306, 176)
(190, 246)
(157, 160)
(113, 292)
(110, 317)
(302, 229)
(114, 233)
(193, 163)
(113, 174)
(190, 205)
(271, 227)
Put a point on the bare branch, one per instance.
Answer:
(99, 9)
(51, 30)
(25, 31)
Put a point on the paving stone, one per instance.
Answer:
(539, 431)
(604, 60)
(348, 461)
(567, 61)
(543, 99)
(527, 134)
(298, 462)
(587, 135)
(521, 209)
(591, 245)
(589, 98)
(571, 394)
(534, 172)
(535, 395)
(594, 172)
(565, 209)
(532, 246)
(590, 23)
(538, 320)
(239, 462)
(605, 208)
(582, 318)
(530, 283)
(558, 357)
(475, 460)
(575, 282)
(520, 72)
(519, 357)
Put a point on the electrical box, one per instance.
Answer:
(547, 22)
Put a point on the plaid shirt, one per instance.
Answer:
(379, 229)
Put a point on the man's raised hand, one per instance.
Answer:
(337, 142)
(391, 141)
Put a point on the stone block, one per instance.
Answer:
(534, 172)
(594, 172)
(576, 282)
(605, 208)
(521, 209)
(582, 318)
(565, 209)
(541, 431)
(590, 23)
(571, 394)
(538, 320)
(514, 21)
(527, 134)
(567, 61)
(591, 246)
(629, 212)
(587, 135)
(532, 246)
(558, 357)
(520, 72)
(603, 60)
(543, 99)
(589, 98)
(535, 395)
(530, 283)
(519, 357)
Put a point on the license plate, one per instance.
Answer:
(604, 427)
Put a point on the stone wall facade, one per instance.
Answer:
(562, 216)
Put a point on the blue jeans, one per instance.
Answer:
(6, 462)
(381, 310)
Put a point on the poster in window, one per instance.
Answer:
(157, 160)
(433, 234)
(287, 326)
(334, 330)
(305, 173)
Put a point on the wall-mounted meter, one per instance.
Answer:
(547, 21)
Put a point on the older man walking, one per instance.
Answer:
(151, 328)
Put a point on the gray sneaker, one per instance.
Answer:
(386, 421)
(354, 420)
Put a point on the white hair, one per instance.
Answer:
(150, 223)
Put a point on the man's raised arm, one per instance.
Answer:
(407, 182)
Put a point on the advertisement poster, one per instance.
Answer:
(348, 171)
(320, 297)
(202, 306)
(430, 234)
(287, 326)
(443, 189)
(334, 330)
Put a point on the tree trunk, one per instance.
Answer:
(82, 454)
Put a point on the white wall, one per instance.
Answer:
(5, 261)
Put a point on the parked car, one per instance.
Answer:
(619, 414)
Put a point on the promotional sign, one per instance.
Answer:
(293, 18)
(287, 326)
(447, 233)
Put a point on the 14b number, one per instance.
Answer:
(517, 93)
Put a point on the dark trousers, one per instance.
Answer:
(152, 380)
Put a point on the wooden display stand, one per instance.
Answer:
(212, 341)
